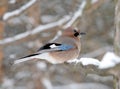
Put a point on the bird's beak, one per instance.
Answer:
(81, 34)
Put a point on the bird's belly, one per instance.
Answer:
(63, 56)
(48, 57)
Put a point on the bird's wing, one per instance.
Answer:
(55, 47)
(50, 47)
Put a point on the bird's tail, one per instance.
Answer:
(26, 58)
(35, 55)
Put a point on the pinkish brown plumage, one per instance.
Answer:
(65, 47)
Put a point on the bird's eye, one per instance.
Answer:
(76, 33)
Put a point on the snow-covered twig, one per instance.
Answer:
(77, 14)
(85, 61)
(109, 60)
(86, 85)
(35, 31)
(18, 11)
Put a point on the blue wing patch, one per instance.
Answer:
(61, 47)
(64, 47)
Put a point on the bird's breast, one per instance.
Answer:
(63, 56)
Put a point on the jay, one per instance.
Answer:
(66, 47)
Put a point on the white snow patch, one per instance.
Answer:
(86, 61)
(89, 61)
(109, 60)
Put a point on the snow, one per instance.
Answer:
(85, 61)
(89, 61)
(109, 60)
(88, 85)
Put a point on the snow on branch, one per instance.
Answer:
(35, 31)
(109, 60)
(18, 11)
(76, 15)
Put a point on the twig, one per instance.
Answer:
(77, 14)
(17, 12)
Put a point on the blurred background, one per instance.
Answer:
(97, 21)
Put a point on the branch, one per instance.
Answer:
(77, 14)
(35, 31)
(86, 85)
(40, 28)
(109, 60)
(17, 12)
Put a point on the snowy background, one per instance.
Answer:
(31, 23)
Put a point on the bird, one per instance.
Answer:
(66, 47)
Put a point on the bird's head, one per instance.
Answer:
(73, 32)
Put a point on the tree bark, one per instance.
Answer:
(117, 37)
(3, 8)
(117, 31)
